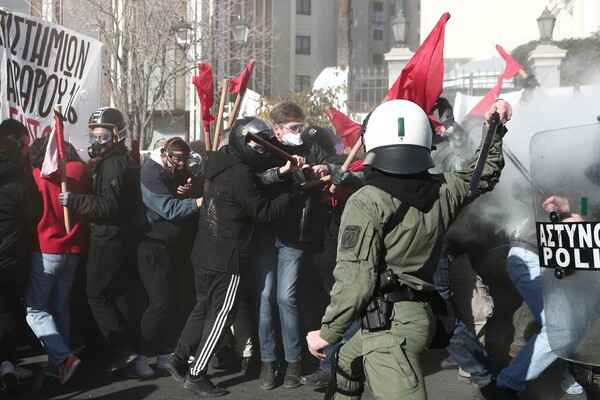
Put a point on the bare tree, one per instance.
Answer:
(143, 62)
(343, 49)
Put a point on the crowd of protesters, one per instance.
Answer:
(209, 235)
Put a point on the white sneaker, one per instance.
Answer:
(573, 388)
(569, 385)
(161, 360)
(8, 377)
(142, 369)
(23, 373)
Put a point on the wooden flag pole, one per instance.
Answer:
(219, 126)
(64, 186)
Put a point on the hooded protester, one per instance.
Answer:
(231, 206)
(167, 209)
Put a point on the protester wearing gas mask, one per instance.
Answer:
(165, 218)
(109, 209)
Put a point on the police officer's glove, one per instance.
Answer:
(445, 112)
(349, 179)
(530, 82)
(65, 198)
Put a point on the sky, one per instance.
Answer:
(476, 26)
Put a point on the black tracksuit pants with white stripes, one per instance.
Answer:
(216, 306)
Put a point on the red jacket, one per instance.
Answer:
(51, 236)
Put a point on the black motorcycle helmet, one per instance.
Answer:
(109, 118)
(256, 157)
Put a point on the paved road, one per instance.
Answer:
(91, 382)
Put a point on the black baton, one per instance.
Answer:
(483, 154)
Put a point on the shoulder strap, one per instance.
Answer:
(396, 218)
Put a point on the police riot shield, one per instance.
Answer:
(565, 177)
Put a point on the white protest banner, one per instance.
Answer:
(43, 64)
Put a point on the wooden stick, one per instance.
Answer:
(224, 90)
(236, 109)
(207, 138)
(64, 186)
(272, 148)
(523, 73)
(316, 182)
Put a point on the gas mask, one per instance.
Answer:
(100, 144)
(176, 166)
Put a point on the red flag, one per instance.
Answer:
(421, 80)
(205, 86)
(347, 130)
(240, 83)
(512, 67)
(55, 149)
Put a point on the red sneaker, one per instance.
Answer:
(68, 368)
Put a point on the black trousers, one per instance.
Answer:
(154, 267)
(217, 297)
(11, 310)
(108, 273)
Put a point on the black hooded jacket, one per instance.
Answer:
(20, 209)
(232, 204)
(298, 224)
(115, 188)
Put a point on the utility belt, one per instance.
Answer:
(380, 310)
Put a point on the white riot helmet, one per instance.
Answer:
(397, 138)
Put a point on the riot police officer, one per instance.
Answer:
(390, 242)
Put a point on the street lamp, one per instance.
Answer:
(182, 31)
(399, 28)
(546, 23)
(239, 29)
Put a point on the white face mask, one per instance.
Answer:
(292, 139)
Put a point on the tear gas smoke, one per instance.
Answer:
(511, 203)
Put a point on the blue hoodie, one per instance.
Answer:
(166, 211)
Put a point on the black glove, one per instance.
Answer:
(445, 112)
(530, 82)
(65, 198)
(336, 174)
(345, 178)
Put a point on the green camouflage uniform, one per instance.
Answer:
(392, 358)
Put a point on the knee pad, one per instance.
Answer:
(351, 386)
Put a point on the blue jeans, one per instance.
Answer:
(47, 301)
(523, 268)
(277, 275)
(469, 353)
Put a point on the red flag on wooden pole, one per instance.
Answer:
(205, 86)
(56, 158)
(240, 83)
(421, 80)
(511, 69)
